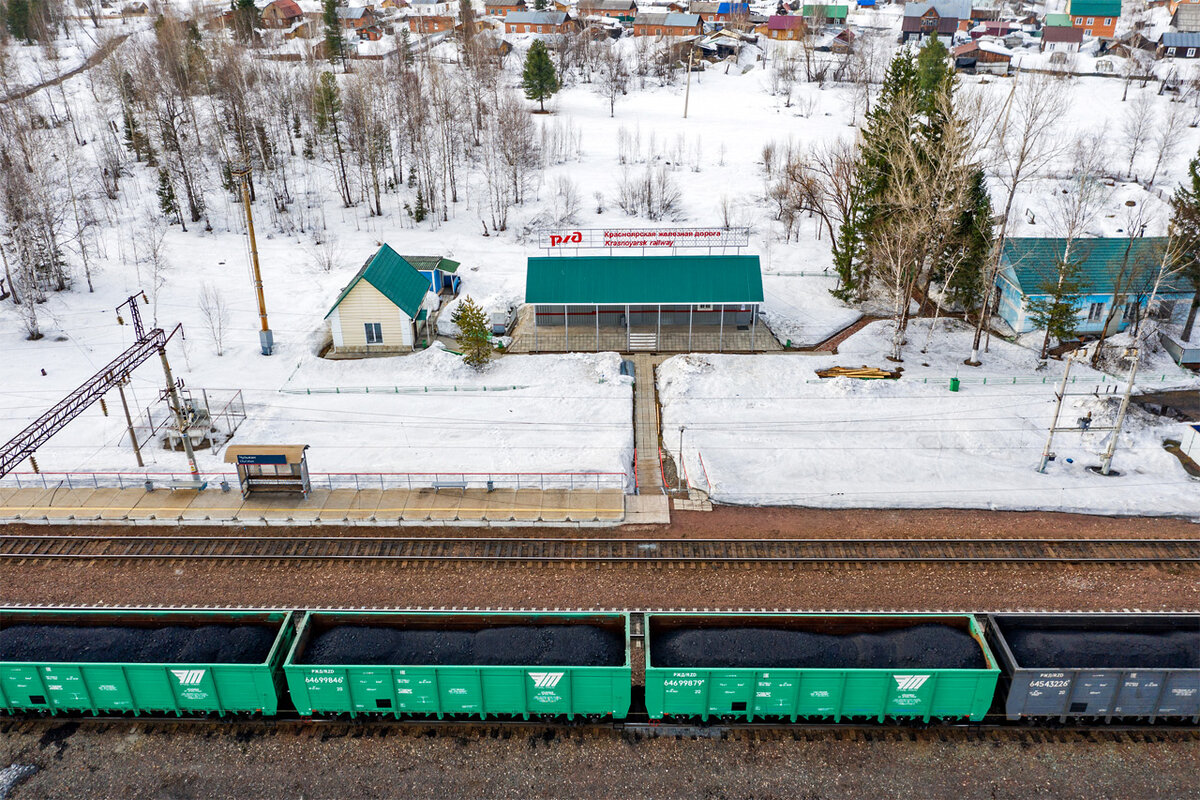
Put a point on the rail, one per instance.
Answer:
(599, 551)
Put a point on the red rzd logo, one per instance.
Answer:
(569, 238)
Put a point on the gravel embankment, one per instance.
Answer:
(132, 762)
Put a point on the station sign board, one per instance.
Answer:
(638, 238)
(262, 458)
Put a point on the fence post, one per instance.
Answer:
(69, 486)
(381, 485)
(356, 482)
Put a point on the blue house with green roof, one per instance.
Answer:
(1113, 271)
(384, 309)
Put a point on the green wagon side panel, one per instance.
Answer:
(457, 690)
(184, 688)
(837, 693)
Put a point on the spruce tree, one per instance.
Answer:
(245, 18)
(18, 20)
(1056, 310)
(166, 197)
(420, 212)
(473, 338)
(969, 251)
(335, 45)
(1185, 230)
(538, 79)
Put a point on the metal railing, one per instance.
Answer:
(332, 480)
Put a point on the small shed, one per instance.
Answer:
(441, 271)
(271, 468)
(383, 309)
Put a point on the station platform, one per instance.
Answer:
(426, 507)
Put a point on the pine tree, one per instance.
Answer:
(327, 111)
(166, 197)
(335, 45)
(538, 79)
(1185, 229)
(540, 5)
(245, 18)
(1056, 310)
(935, 85)
(18, 19)
(969, 251)
(473, 338)
(420, 212)
(405, 48)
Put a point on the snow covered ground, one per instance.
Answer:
(769, 431)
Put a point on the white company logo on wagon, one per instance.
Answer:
(546, 680)
(188, 677)
(910, 683)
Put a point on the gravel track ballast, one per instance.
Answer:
(919, 647)
(509, 645)
(169, 644)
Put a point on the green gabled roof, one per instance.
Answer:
(394, 277)
(836, 12)
(1057, 21)
(1094, 8)
(1034, 262)
(615, 280)
(431, 263)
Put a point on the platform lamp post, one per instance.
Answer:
(266, 339)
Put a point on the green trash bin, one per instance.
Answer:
(954, 384)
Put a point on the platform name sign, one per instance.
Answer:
(259, 458)
(638, 238)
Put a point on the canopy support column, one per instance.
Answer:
(566, 328)
(628, 327)
(691, 313)
(753, 325)
(596, 311)
(658, 331)
(721, 335)
(535, 329)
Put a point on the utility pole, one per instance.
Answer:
(1062, 392)
(180, 419)
(687, 92)
(137, 451)
(265, 338)
(1106, 466)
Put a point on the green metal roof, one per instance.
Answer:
(1057, 21)
(613, 280)
(431, 263)
(1034, 262)
(836, 12)
(1094, 8)
(394, 277)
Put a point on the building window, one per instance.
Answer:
(1079, 20)
(1088, 31)
(1131, 312)
(374, 332)
(1170, 51)
(1091, 20)
(1108, 20)
(1096, 312)
(1191, 53)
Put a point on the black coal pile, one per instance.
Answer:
(172, 644)
(510, 645)
(1066, 648)
(917, 647)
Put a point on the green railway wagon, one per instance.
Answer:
(737, 666)
(127, 661)
(502, 664)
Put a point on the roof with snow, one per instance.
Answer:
(607, 5)
(671, 20)
(1180, 40)
(394, 277)
(836, 12)
(537, 17)
(956, 9)
(616, 280)
(355, 12)
(1034, 262)
(1094, 8)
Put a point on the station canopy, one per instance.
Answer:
(666, 280)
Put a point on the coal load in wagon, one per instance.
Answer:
(509, 645)
(169, 644)
(1065, 648)
(917, 647)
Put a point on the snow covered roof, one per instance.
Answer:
(354, 12)
(537, 17)
(615, 280)
(671, 20)
(1034, 262)
(394, 277)
(955, 9)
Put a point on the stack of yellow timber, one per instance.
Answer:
(865, 373)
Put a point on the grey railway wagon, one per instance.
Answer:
(1099, 665)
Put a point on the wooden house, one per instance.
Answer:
(281, 14)
(356, 18)
(943, 18)
(502, 8)
(817, 14)
(1179, 45)
(1061, 38)
(786, 27)
(671, 24)
(984, 55)
(545, 22)
(1095, 17)
(425, 25)
(384, 308)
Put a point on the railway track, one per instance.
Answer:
(599, 551)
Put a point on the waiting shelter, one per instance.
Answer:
(270, 468)
(675, 303)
